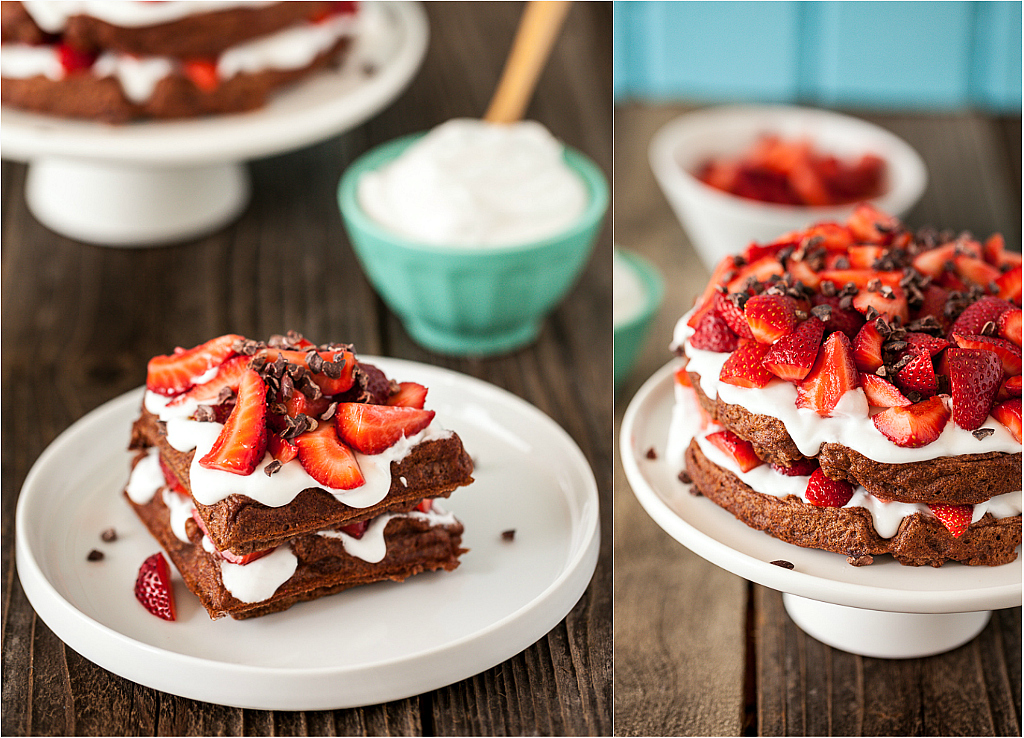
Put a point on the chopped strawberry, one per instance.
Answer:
(993, 249)
(1009, 284)
(823, 491)
(801, 271)
(746, 366)
(739, 450)
(1011, 387)
(934, 304)
(74, 60)
(833, 237)
(699, 312)
(792, 356)
(1008, 413)
(922, 343)
(327, 459)
(724, 271)
(956, 518)
(913, 426)
(329, 385)
(1009, 354)
(832, 376)
(864, 257)
(848, 321)
(860, 277)
(425, 506)
(918, 376)
(173, 483)
(974, 378)
(371, 429)
(202, 73)
(153, 587)
(973, 319)
(281, 449)
(409, 394)
(1010, 326)
(933, 262)
(881, 393)
(356, 530)
(733, 315)
(229, 374)
(770, 317)
(242, 442)
(867, 348)
(299, 404)
(171, 375)
(889, 307)
(760, 270)
(799, 468)
(756, 251)
(714, 334)
(975, 270)
(870, 225)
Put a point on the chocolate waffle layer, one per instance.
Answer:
(414, 545)
(920, 539)
(241, 525)
(956, 480)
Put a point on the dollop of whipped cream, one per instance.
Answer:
(469, 183)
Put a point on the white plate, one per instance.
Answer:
(393, 42)
(714, 534)
(368, 645)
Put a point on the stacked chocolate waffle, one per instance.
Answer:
(273, 473)
(857, 388)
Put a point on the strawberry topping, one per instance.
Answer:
(792, 356)
(714, 334)
(881, 393)
(913, 426)
(242, 442)
(327, 459)
(974, 378)
(371, 429)
(956, 518)
(172, 375)
(770, 317)
(823, 491)
(832, 376)
(1008, 413)
(409, 394)
(739, 450)
(746, 366)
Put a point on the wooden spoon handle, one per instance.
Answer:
(538, 28)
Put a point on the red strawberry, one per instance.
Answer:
(1008, 354)
(698, 313)
(299, 404)
(281, 449)
(832, 375)
(74, 60)
(978, 314)
(881, 393)
(889, 307)
(849, 321)
(934, 304)
(860, 277)
(1008, 413)
(409, 394)
(171, 375)
(371, 429)
(974, 377)
(203, 73)
(932, 263)
(824, 491)
(922, 343)
(328, 460)
(172, 480)
(356, 530)
(792, 356)
(426, 505)
(870, 225)
(1011, 387)
(864, 257)
(915, 425)
(1010, 326)
(328, 385)
(994, 248)
(153, 587)
(867, 348)
(975, 270)
(745, 367)
(833, 237)
(918, 376)
(799, 468)
(801, 271)
(724, 271)
(760, 270)
(229, 374)
(956, 518)
(1009, 284)
(714, 334)
(770, 317)
(733, 315)
(739, 450)
(242, 442)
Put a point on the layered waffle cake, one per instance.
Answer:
(120, 60)
(856, 387)
(277, 472)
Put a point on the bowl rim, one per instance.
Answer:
(592, 176)
(654, 290)
(906, 169)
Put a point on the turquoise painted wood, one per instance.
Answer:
(888, 55)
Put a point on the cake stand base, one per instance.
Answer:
(887, 635)
(140, 205)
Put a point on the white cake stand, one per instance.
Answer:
(153, 183)
(884, 610)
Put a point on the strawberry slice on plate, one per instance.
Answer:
(823, 491)
(371, 429)
(913, 426)
(153, 587)
(746, 367)
(974, 379)
(242, 442)
(736, 448)
(832, 376)
(327, 459)
(173, 374)
(956, 518)
(410, 394)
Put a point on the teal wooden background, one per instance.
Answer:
(882, 55)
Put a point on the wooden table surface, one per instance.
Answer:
(80, 322)
(700, 651)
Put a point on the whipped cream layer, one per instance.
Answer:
(210, 486)
(851, 425)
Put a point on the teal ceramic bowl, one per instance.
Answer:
(630, 334)
(465, 301)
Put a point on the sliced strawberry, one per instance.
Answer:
(833, 237)
(756, 251)
(153, 587)
(888, 307)
(733, 315)
(724, 271)
(881, 393)
(425, 506)
(281, 449)
(1010, 326)
(934, 304)
(823, 491)
(746, 368)
(770, 317)
(799, 468)
(760, 270)
(849, 321)
(299, 404)
(171, 375)
(229, 374)
(329, 385)
(801, 271)
(974, 378)
(913, 426)
(870, 225)
(792, 356)
(739, 450)
(1009, 284)
(74, 60)
(371, 429)
(242, 442)
(974, 318)
(922, 343)
(975, 270)
(327, 459)
(1010, 388)
(933, 262)
(698, 313)
(993, 249)
(867, 348)
(864, 257)
(714, 334)
(1008, 413)
(409, 394)
(356, 530)
(859, 277)
(1009, 354)
(918, 376)
(956, 518)
(202, 73)
(832, 376)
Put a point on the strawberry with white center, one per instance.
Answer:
(242, 442)
(1008, 413)
(153, 587)
(867, 348)
(371, 429)
(229, 375)
(915, 425)
(823, 491)
(409, 394)
(974, 378)
(881, 393)
(327, 459)
(738, 449)
(171, 375)
(1010, 326)
(956, 518)
(746, 366)
(833, 375)
(792, 356)
(770, 317)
